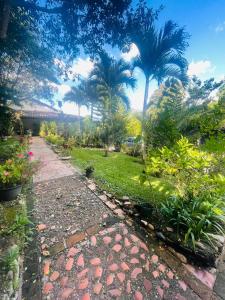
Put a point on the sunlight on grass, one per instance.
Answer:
(119, 174)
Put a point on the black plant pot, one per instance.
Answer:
(8, 194)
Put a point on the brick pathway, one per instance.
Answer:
(88, 253)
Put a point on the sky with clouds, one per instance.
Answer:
(204, 20)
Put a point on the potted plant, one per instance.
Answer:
(10, 180)
(13, 173)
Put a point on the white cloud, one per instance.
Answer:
(131, 54)
(201, 67)
(220, 27)
(71, 108)
(63, 89)
(81, 67)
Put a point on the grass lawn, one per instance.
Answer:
(119, 174)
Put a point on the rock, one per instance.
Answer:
(219, 239)
(46, 253)
(150, 226)
(65, 158)
(42, 239)
(103, 197)
(160, 235)
(118, 202)
(180, 256)
(92, 187)
(127, 204)
(41, 227)
(201, 245)
(144, 222)
(169, 229)
(109, 195)
(125, 198)
(52, 227)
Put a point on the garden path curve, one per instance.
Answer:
(86, 251)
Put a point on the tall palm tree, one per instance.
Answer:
(111, 77)
(76, 95)
(161, 52)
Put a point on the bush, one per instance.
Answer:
(197, 207)
(194, 219)
(55, 139)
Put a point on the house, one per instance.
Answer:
(33, 112)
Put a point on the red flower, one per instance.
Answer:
(30, 153)
(6, 173)
(20, 155)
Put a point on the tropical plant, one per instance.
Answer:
(76, 95)
(161, 52)
(110, 77)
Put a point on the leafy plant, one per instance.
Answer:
(194, 218)
(9, 261)
(89, 170)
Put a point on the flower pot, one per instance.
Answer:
(8, 194)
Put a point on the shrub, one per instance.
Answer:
(194, 218)
(197, 207)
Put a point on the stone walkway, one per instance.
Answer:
(87, 252)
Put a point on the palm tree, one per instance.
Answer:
(76, 95)
(161, 52)
(111, 77)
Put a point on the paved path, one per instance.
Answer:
(87, 253)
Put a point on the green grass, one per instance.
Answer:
(119, 174)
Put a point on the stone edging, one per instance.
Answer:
(171, 257)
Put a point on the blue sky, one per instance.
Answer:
(204, 20)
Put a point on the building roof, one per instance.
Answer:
(38, 109)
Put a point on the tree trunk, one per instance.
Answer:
(144, 154)
(5, 17)
(92, 108)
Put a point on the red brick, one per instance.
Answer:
(170, 275)
(80, 261)
(113, 267)
(64, 281)
(138, 295)
(165, 283)
(162, 268)
(107, 240)
(124, 266)
(95, 261)
(134, 238)
(136, 272)
(115, 293)
(75, 238)
(98, 272)
(160, 291)
(83, 284)
(118, 237)
(154, 258)
(92, 230)
(142, 256)
(69, 264)
(121, 276)
(134, 261)
(41, 227)
(93, 241)
(143, 246)
(109, 279)
(54, 276)
(128, 289)
(182, 285)
(86, 297)
(155, 274)
(46, 268)
(48, 287)
(134, 250)
(126, 242)
(147, 285)
(179, 297)
(97, 288)
(72, 252)
(66, 293)
(117, 247)
(82, 273)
